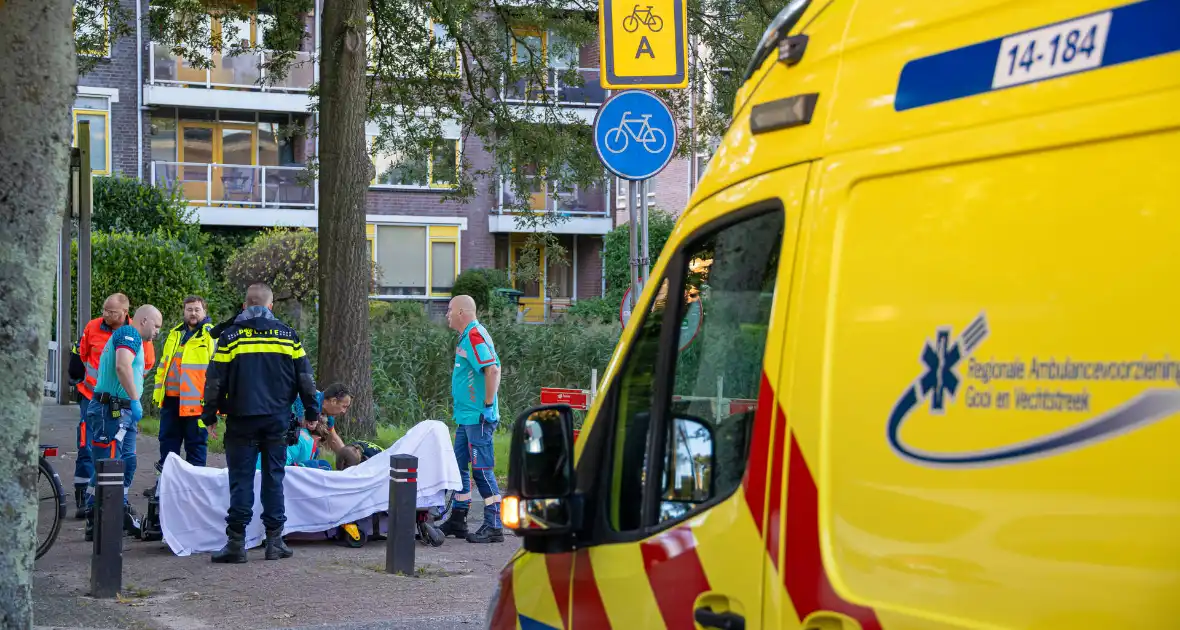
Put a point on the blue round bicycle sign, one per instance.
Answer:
(635, 134)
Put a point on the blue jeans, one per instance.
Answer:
(474, 447)
(245, 438)
(102, 427)
(176, 430)
(84, 465)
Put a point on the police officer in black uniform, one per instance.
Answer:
(257, 370)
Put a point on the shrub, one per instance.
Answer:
(148, 269)
(479, 282)
(130, 206)
(286, 260)
(617, 261)
(604, 310)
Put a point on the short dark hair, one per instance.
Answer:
(337, 391)
(196, 298)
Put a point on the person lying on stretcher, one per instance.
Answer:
(302, 453)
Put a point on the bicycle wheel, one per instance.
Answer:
(630, 23)
(655, 23)
(51, 506)
(616, 140)
(656, 140)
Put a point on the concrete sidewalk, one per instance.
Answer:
(322, 586)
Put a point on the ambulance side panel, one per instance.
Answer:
(984, 346)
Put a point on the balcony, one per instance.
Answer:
(589, 94)
(582, 210)
(234, 82)
(219, 187)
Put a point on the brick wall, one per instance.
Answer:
(671, 191)
(119, 72)
(477, 246)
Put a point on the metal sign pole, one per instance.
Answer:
(646, 258)
(85, 205)
(634, 230)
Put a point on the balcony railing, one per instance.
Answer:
(237, 185)
(578, 202)
(240, 71)
(589, 94)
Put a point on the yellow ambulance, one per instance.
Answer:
(910, 358)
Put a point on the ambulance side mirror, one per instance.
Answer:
(541, 471)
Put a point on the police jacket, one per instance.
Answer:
(258, 368)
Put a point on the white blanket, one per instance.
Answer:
(194, 500)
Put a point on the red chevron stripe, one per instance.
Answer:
(558, 566)
(589, 613)
(774, 526)
(806, 580)
(754, 481)
(676, 575)
(504, 617)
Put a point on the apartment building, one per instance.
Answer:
(217, 134)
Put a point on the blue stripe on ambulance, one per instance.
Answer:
(528, 623)
(1099, 40)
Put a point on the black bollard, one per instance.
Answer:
(403, 511)
(106, 560)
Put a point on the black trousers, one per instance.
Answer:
(247, 437)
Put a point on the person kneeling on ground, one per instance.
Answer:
(301, 452)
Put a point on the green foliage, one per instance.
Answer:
(149, 269)
(604, 310)
(413, 358)
(128, 205)
(479, 282)
(284, 259)
(617, 262)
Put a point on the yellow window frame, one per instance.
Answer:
(430, 183)
(106, 115)
(440, 234)
(106, 29)
(458, 53)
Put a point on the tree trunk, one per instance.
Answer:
(37, 78)
(344, 349)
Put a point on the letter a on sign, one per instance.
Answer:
(643, 44)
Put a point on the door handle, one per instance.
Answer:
(719, 620)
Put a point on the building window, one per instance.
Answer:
(95, 110)
(414, 260)
(94, 28)
(438, 168)
(446, 45)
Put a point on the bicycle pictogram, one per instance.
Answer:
(653, 140)
(645, 17)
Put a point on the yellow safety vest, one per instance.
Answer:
(194, 360)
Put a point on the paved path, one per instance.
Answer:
(322, 586)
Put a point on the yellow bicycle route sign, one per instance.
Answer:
(643, 44)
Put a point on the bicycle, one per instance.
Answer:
(645, 17)
(616, 139)
(46, 472)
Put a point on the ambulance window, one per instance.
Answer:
(710, 377)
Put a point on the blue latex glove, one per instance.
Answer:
(136, 412)
(489, 415)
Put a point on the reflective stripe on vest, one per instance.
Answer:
(189, 362)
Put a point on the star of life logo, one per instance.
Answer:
(941, 357)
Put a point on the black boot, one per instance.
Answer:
(486, 534)
(275, 547)
(88, 514)
(80, 501)
(456, 523)
(234, 551)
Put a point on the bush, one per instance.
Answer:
(129, 206)
(286, 260)
(413, 357)
(148, 269)
(617, 261)
(604, 310)
(479, 282)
